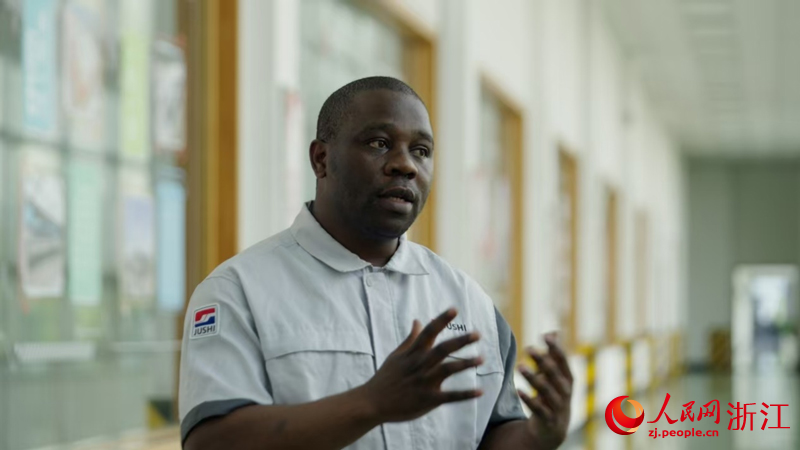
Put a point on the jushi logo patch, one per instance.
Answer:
(205, 322)
(614, 411)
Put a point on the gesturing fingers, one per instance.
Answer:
(428, 335)
(412, 336)
(443, 349)
(443, 371)
(537, 407)
(554, 373)
(458, 396)
(558, 355)
(544, 387)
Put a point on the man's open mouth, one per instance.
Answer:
(398, 200)
(399, 194)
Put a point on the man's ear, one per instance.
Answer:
(318, 154)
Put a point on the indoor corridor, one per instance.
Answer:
(625, 173)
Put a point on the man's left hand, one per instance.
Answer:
(553, 383)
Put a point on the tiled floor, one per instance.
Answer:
(774, 388)
(770, 389)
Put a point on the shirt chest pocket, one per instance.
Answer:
(460, 425)
(304, 367)
(486, 347)
(486, 377)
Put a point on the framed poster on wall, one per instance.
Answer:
(85, 234)
(82, 66)
(134, 104)
(136, 244)
(495, 213)
(171, 252)
(42, 221)
(168, 98)
(40, 67)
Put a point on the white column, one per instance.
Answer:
(589, 190)
(269, 42)
(257, 179)
(457, 133)
(541, 178)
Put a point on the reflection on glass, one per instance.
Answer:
(490, 205)
(335, 51)
(92, 222)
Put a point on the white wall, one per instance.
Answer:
(260, 159)
(594, 104)
(559, 63)
(503, 35)
(457, 102)
(739, 213)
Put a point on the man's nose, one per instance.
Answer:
(401, 163)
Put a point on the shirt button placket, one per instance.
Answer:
(384, 342)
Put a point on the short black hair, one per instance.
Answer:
(335, 107)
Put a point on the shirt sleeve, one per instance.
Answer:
(222, 366)
(508, 406)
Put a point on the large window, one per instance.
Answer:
(342, 42)
(92, 217)
(495, 192)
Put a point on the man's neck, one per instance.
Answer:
(377, 252)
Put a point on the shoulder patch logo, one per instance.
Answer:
(205, 322)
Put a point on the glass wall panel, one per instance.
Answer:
(341, 42)
(490, 205)
(92, 144)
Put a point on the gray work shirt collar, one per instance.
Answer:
(321, 245)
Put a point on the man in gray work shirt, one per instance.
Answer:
(314, 338)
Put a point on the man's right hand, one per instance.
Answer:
(408, 385)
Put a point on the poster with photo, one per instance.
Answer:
(85, 234)
(39, 67)
(168, 97)
(137, 240)
(42, 215)
(171, 263)
(134, 110)
(82, 88)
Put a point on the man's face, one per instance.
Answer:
(380, 163)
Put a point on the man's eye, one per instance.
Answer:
(421, 151)
(380, 144)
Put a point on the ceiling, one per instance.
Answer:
(724, 75)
